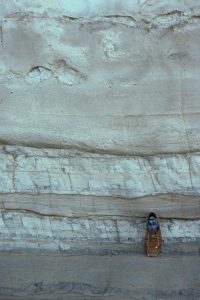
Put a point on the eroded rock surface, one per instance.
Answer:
(99, 124)
(31, 170)
(93, 77)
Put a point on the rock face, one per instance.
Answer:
(95, 78)
(29, 170)
(99, 124)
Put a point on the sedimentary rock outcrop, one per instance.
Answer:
(99, 124)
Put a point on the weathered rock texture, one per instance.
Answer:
(29, 170)
(117, 76)
(99, 124)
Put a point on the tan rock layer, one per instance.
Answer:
(116, 277)
(168, 206)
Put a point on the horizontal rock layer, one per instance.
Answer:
(31, 170)
(28, 231)
(72, 223)
(169, 206)
(93, 77)
(102, 277)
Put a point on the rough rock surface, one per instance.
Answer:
(99, 124)
(109, 76)
(29, 170)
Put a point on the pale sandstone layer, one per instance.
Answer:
(59, 171)
(125, 80)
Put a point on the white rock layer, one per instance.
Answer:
(30, 170)
(28, 231)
